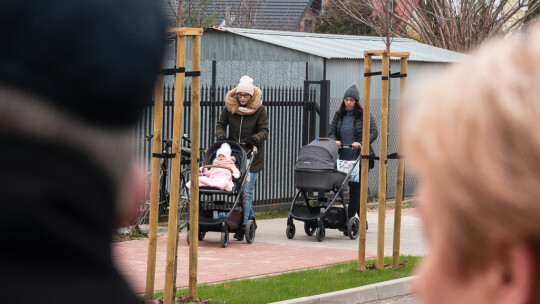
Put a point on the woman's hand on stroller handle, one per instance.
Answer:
(354, 145)
(254, 150)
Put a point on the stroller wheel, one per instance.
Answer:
(250, 231)
(309, 228)
(224, 239)
(353, 226)
(187, 237)
(202, 234)
(291, 230)
(320, 233)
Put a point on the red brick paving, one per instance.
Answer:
(216, 264)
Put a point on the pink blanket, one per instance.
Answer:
(220, 178)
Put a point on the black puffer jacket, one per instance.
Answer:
(335, 128)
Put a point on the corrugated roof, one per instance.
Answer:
(346, 47)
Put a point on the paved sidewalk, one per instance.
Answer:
(271, 252)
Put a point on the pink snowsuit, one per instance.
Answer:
(220, 178)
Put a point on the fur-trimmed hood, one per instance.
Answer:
(232, 104)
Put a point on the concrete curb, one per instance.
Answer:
(364, 294)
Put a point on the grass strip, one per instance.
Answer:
(300, 283)
(271, 214)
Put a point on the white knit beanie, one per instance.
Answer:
(225, 150)
(245, 85)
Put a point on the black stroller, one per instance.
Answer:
(316, 170)
(219, 210)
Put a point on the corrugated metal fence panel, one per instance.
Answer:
(343, 72)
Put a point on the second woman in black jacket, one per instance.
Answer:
(346, 129)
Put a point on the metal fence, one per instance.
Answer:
(293, 121)
(291, 113)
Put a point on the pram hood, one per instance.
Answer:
(236, 151)
(318, 155)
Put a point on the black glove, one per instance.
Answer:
(250, 143)
(222, 138)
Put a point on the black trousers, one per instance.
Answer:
(354, 199)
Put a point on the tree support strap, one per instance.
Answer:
(164, 155)
(398, 75)
(173, 71)
(389, 156)
(370, 157)
(372, 74)
(392, 75)
(394, 156)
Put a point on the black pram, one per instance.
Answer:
(316, 170)
(221, 210)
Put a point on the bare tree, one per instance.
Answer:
(244, 14)
(175, 10)
(376, 14)
(191, 13)
(458, 25)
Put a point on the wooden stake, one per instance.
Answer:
(375, 53)
(180, 62)
(365, 166)
(154, 190)
(186, 31)
(400, 170)
(383, 151)
(399, 54)
(195, 143)
(172, 233)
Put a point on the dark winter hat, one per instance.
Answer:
(97, 59)
(352, 91)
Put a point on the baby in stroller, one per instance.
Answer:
(219, 175)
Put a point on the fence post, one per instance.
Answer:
(213, 101)
(325, 108)
(305, 117)
(313, 115)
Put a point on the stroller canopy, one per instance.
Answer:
(318, 155)
(236, 151)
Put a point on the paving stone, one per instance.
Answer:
(271, 253)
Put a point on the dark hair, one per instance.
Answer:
(358, 110)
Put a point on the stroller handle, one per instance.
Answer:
(349, 147)
(254, 150)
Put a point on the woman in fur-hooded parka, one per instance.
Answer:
(245, 123)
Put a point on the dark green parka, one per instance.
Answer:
(244, 123)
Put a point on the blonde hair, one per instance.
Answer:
(474, 134)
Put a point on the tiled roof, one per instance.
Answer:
(268, 14)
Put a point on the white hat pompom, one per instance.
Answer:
(245, 85)
(224, 150)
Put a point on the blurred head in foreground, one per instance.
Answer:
(74, 76)
(473, 138)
